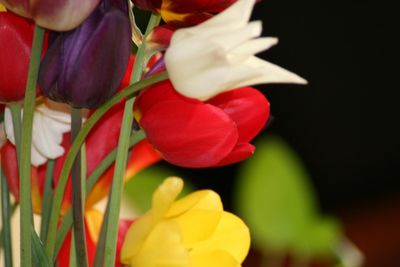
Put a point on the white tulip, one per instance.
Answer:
(50, 122)
(218, 55)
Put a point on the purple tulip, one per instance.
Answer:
(84, 67)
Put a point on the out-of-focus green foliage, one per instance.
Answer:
(276, 200)
(139, 189)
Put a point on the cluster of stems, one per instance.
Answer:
(41, 249)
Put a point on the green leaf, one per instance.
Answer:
(320, 238)
(140, 188)
(274, 195)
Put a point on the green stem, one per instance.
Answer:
(75, 147)
(25, 155)
(77, 201)
(15, 109)
(91, 181)
(6, 220)
(114, 204)
(47, 197)
(101, 243)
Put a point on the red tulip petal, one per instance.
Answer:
(9, 165)
(186, 132)
(160, 36)
(197, 6)
(239, 153)
(123, 227)
(247, 107)
(16, 35)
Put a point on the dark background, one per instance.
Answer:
(343, 124)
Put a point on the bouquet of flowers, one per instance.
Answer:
(83, 113)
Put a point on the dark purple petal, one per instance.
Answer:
(84, 67)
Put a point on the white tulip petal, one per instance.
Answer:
(255, 46)
(37, 159)
(233, 39)
(49, 126)
(270, 73)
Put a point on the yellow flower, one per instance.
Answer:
(2, 8)
(194, 231)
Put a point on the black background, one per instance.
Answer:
(343, 124)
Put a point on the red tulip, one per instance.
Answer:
(180, 13)
(191, 133)
(16, 35)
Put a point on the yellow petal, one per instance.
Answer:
(231, 235)
(163, 248)
(197, 215)
(136, 236)
(218, 258)
(165, 195)
(93, 219)
(2, 8)
(198, 225)
(204, 199)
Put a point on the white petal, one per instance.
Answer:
(235, 38)
(37, 159)
(270, 73)
(255, 46)
(49, 125)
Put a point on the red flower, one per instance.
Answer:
(180, 13)
(191, 133)
(16, 35)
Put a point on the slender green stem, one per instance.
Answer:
(91, 181)
(15, 109)
(73, 261)
(13, 207)
(114, 204)
(40, 257)
(25, 155)
(101, 243)
(47, 197)
(6, 220)
(75, 147)
(77, 201)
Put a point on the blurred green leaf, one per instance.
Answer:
(276, 200)
(320, 238)
(139, 189)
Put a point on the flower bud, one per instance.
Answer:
(84, 67)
